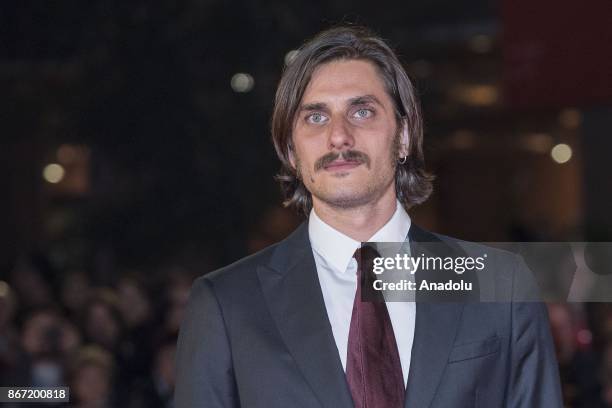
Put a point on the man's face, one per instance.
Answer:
(345, 136)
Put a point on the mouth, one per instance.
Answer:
(342, 165)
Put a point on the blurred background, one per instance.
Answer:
(135, 155)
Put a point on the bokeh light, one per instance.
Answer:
(242, 82)
(53, 173)
(561, 153)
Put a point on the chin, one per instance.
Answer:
(346, 199)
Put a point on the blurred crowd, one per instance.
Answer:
(114, 344)
(582, 333)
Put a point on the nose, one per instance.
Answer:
(340, 136)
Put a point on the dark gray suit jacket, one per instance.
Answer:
(256, 334)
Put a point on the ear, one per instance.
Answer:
(404, 140)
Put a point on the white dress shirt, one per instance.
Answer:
(337, 269)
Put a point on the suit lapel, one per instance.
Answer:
(435, 330)
(436, 325)
(291, 288)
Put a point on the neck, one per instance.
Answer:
(360, 223)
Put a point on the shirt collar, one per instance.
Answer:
(337, 249)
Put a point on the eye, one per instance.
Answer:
(363, 113)
(316, 118)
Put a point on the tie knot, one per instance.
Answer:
(365, 255)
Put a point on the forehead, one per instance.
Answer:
(344, 79)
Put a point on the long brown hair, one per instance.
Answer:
(412, 183)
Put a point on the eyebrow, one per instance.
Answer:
(365, 99)
(355, 101)
(315, 106)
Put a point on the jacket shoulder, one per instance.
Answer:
(241, 269)
(504, 271)
(475, 248)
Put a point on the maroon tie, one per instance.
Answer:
(373, 368)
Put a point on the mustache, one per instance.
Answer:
(349, 155)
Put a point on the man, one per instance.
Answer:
(286, 327)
